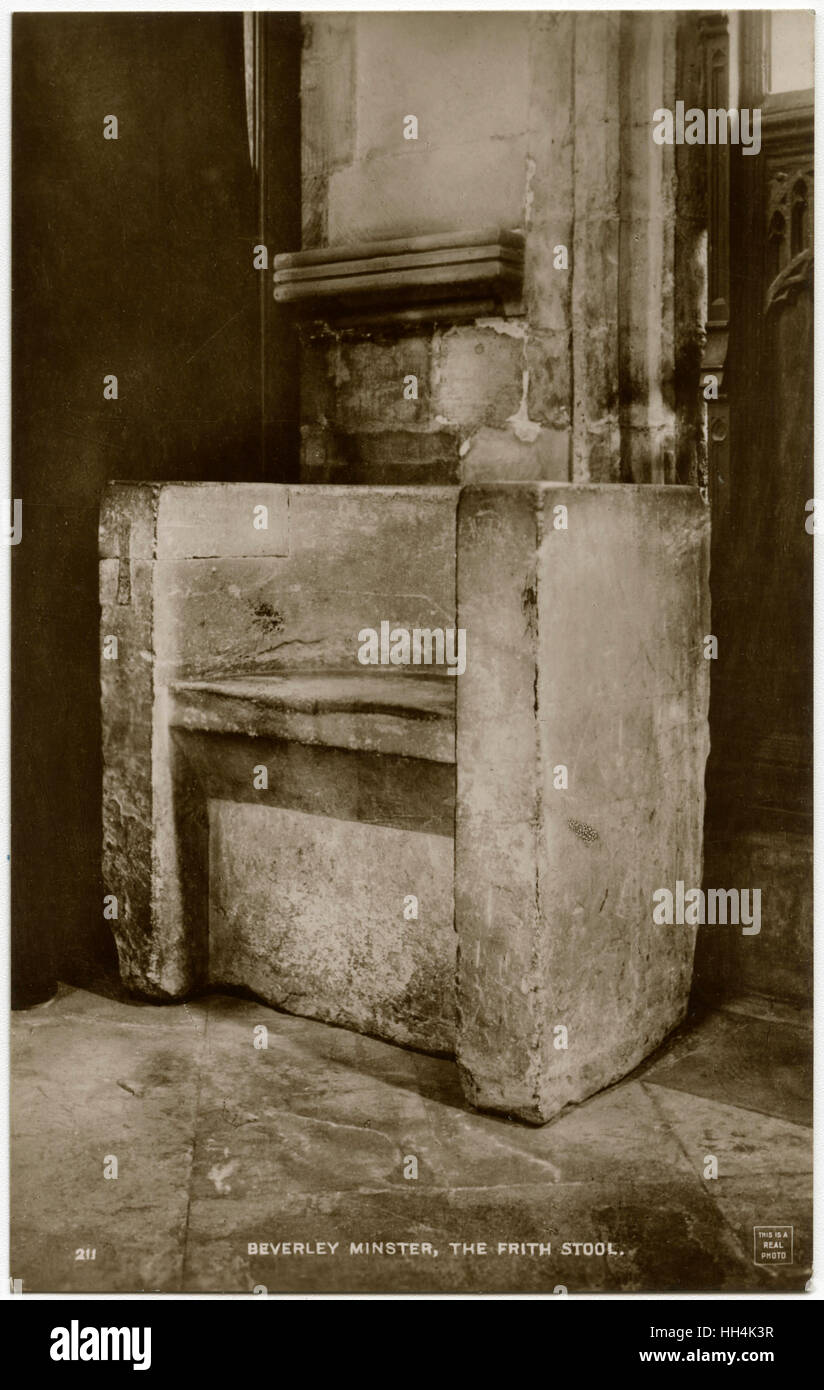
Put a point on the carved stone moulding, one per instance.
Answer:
(407, 279)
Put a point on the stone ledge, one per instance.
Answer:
(454, 275)
(409, 716)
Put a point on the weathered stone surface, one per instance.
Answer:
(387, 281)
(595, 283)
(494, 455)
(477, 375)
(782, 1082)
(612, 306)
(127, 707)
(646, 349)
(250, 660)
(327, 94)
(378, 713)
(380, 458)
(222, 1144)
(308, 911)
(585, 651)
(548, 385)
(247, 638)
(217, 519)
(549, 213)
(395, 195)
(356, 557)
(458, 78)
(360, 385)
(127, 1070)
(745, 1142)
(372, 788)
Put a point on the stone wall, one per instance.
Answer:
(532, 122)
(131, 257)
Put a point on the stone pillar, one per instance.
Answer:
(646, 338)
(581, 744)
(158, 544)
(595, 277)
(127, 707)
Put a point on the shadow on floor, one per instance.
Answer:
(255, 1149)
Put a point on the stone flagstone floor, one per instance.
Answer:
(220, 1144)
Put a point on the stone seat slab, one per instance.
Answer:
(384, 712)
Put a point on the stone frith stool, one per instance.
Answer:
(462, 863)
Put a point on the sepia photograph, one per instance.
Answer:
(410, 536)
